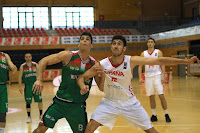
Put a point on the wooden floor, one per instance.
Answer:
(183, 97)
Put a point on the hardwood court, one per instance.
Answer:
(183, 97)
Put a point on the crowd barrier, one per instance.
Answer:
(14, 41)
(194, 68)
(195, 30)
(104, 39)
(48, 75)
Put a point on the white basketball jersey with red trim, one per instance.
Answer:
(117, 86)
(152, 70)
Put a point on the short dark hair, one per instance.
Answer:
(87, 34)
(28, 53)
(151, 39)
(119, 37)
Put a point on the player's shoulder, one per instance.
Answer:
(92, 59)
(104, 61)
(3, 53)
(159, 51)
(66, 52)
(142, 54)
(23, 64)
(34, 63)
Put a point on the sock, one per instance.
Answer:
(166, 111)
(2, 130)
(153, 111)
(29, 114)
(40, 112)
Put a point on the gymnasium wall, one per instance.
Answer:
(112, 10)
(46, 2)
(188, 8)
(156, 9)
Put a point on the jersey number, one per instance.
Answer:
(114, 79)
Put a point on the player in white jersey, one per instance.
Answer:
(116, 75)
(154, 77)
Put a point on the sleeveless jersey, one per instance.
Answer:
(29, 73)
(117, 85)
(69, 90)
(152, 70)
(3, 68)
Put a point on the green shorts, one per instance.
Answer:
(28, 94)
(3, 99)
(74, 113)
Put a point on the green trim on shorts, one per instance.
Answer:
(74, 113)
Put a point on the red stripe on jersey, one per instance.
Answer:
(76, 62)
(150, 53)
(74, 53)
(115, 65)
(27, 67)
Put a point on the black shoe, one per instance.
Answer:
(154, 118)
(167, 118)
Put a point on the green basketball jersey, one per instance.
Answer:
(69, 89)
(29, 73)
(3, 71)
(3, 68)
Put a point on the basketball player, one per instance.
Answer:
(119, 97)
(5, 63)
(68, 102)
(27, 74)
(154, 77)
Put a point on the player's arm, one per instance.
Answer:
(138, 60)
(140, 69)
(100, 77)
(10, 64)
(84, 77)
(63, 56)
(20, 79)
(160, 54)
(36, 66)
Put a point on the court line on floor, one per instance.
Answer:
(184, 99)
(171, 125)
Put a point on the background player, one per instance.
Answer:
(5, 63)
(154, 77)
(27, 74)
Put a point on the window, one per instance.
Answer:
(25, 17)
(72, 17)
(38, 17)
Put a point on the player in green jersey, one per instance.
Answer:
(5, 63)
(68, 102)
(27, 74)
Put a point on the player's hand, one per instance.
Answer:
(21, 90)
(100, 70)
(140, 80)
(13, 68)
(193, 59)
(37, 87)
(84, 89)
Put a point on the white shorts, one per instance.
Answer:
(135, 115)
(153, 85)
